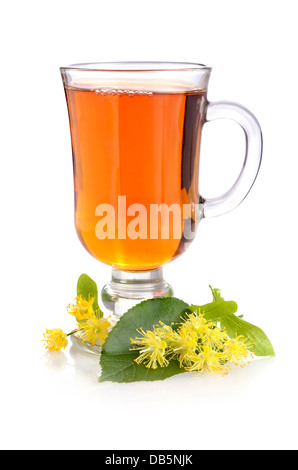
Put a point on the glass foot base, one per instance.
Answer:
(127, 289)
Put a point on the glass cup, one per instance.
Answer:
(136, 133)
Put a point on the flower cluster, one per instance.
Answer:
(197, 344)
(55, 339)
(82, 309)
(91, 328)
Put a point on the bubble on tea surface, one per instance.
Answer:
(102, 92)
(114, 92)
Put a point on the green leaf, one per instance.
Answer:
(234, 326)
(216, 295)
(87, 288)
(122, 368)
(215, 310)
(118, 362)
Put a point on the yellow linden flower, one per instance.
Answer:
(152, 349)
(82, 309)
(55, 339)
(165, 332)
(236, 350)
(216, 338)
(207, 361)
(94, 330)
(182, 344)
(197, 323)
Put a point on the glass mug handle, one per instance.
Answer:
(220, 205)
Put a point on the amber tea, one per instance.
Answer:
(135, 147)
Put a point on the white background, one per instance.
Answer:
(55, 402)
